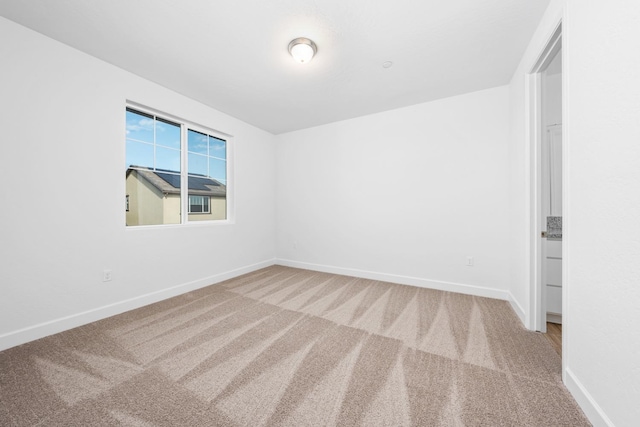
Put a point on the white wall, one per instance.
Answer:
(601, 313)
(403, 195)
(604, 184)
(552, 92)
(63, 190)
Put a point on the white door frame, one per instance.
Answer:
(536, 134)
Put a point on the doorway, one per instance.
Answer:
(546, 184)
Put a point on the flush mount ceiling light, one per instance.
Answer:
(302, 49)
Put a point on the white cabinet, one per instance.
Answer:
(553, 280)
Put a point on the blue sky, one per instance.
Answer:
(206, 154)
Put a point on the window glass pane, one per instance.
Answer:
(218, 170)
(153, 194)
(195, 204)
(167, 159)
(167, 134)
(197, 164)
(217, 147)
(205, 204)
(197, 142)
(152, 200)
(139, 154)
(139, 126)
(195, 200)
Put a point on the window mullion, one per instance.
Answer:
(184, 176)
(155, 151)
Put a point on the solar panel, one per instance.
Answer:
(195, 183)
(173, 180)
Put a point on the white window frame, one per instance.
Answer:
(185, 125)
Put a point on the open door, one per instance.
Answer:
(552, 222)
(545, 123)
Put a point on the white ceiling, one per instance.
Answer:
(232, 55)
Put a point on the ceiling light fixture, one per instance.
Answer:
(302, 49)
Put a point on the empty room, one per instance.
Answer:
(320, 213)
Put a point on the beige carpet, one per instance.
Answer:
(283, 346)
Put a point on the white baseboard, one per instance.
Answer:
(554, 318)
(403, 280)
(518, 310)
(55, 326)
(592, 410)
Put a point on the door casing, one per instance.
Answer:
(536, 134)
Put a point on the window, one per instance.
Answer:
(199, 204)
(161, 155)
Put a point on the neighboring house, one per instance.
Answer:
(153, 197)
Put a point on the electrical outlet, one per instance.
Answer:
(107, 275)
(469, 261)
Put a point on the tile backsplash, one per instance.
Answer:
(554, 227)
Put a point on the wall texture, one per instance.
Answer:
(601, 231)
(63, 191)
(604, 185)
(405, 195)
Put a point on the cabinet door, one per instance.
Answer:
(554, 272)
(554, 299)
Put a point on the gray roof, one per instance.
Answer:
(168, 182)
